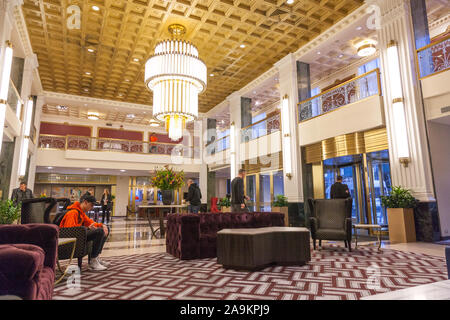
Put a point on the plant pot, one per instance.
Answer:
(286, 214)
(226, 209)
(167, 197)
(401, 225)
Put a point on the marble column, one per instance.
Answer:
(293, 185)
(30, 65)
(234, 101)
(416, 176)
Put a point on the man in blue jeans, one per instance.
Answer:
(194, 197)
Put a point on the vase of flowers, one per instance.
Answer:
(225, 204)
(400, 205)
(168, 180)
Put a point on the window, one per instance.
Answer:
(368, 86)
(315, 105)
(260, 129)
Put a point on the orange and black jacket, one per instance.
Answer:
(75, 217)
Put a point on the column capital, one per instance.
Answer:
(288, 61)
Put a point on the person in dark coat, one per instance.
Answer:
(339, 190)
(106, 203)
(194, 197)
(238, 196)
(21, 193)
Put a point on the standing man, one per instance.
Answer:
(21, 193)
(194, 197)
(106, 205)
(237, 193)
(339, 190)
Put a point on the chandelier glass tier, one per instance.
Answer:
(176, 76)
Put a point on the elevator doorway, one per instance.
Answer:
(368, 178)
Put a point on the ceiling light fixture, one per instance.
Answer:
(136, 59)
(359, 28)
(62, 108)
(49, 168)
(176, 76)
(90, 50)
(93, 115)
(153, 123)
(242, 46)
(211, 75)
(290, 1)
(122, 170)
(88, 73)
(366, 47)
(131, 116)
(95, 8)
(88, 169)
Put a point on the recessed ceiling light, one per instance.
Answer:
(90, 50)
(136, 59)
(318, 52)
(122, 170)
(130, 116)
(62, 108)
(49, 168)
(86, 89)
(88, 169)
(127, 80)
(88, 73)
(341, 55)
(290, 1)
(95, 8)
(93, 115)
(211, 75)
(359, 28)
(242, 46)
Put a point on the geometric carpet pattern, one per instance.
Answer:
(333, 273)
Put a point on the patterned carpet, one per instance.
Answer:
(333, 273)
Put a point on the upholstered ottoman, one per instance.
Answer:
(257, 248)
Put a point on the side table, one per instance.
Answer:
(367, 226)
(62, 242)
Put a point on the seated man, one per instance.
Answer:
(97, 233)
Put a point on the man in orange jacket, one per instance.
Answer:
(97, 233)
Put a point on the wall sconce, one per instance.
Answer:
(7, 56)
(26, 141)
(233, 172)
(398, 108)
(286, 137)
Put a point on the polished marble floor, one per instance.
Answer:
(130, 237)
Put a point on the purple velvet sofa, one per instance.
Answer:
(194, 236)
(27, 260)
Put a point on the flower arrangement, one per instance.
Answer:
(43, 195)
(224, 202)
(168, 179)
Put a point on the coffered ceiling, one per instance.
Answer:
(105, 57)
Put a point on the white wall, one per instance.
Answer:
(359, 116)
(439, 137)
(221, 187)
(121, 200)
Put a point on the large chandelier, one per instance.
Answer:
(176, 76)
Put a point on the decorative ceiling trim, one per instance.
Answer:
(81, 99)
(332, 31)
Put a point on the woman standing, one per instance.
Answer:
(106, 205)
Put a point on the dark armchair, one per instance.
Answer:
(36, 211)
(28, 260)
(331, 220)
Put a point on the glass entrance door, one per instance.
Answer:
(251, 192)
(379, 176)
(350, 168)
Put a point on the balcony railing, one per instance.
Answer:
(359, 88)
(218, 145)
(56, 142)
(434, 58)
(261, 128)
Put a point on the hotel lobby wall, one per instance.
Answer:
(439, 137)
(359, 116)
(121, 201)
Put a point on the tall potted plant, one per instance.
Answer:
(400, 206)
(9, 212)
(281, 205)
(168, 180)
